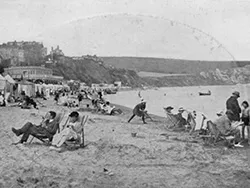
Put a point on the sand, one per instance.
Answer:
(147, 160)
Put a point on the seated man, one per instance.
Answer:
(170, 116)
(47, 129)
(181, 121)
(224, 125)
(71, 131)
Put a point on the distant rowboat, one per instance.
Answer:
(203, 94)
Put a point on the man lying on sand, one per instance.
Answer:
(72, 131)
(47, 129)
(139, 110)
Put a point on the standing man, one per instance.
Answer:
(233, 105)
(139, 110)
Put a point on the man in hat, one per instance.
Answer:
(168, 110)
(224, 125)
(233, 105)
(181, 120)
(47, 129)
(139, 110)
(71, 131)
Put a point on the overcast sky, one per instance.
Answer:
(226, 20)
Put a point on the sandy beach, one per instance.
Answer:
(148, 160)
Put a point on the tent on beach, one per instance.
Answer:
(2, 83)
(10, 84)
(27, 87)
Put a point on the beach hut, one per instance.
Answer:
(10, 86)
(10, 83)
(2, 84)
(27, 87)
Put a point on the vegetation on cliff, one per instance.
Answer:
(89, 71)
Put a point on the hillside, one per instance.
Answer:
(169, 66)
(90, 72)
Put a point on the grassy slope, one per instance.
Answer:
(174, 66)
(91, 72)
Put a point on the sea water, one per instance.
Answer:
(186, 97)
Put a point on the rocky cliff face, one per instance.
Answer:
(217, 77)
(231, 76)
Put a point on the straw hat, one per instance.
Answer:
(181, 109)
(168, 108)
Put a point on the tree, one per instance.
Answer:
(5, 64)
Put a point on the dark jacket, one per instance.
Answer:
(233, 105)
(139, 109)
(48, 128)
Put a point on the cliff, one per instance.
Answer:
(90, 71)
(170, 66)
(240, 75)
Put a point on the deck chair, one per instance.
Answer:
(215, 135)
(44, 139)
(79, 142)
(172, 120)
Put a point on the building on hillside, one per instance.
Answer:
(15, 55)
(33, 73)
(22, 52)
(56, 51)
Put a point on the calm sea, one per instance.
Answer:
(186, 97)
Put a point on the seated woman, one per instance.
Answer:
(47, 129)
(71, 131)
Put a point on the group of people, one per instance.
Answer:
(49, 129)
(231, 123)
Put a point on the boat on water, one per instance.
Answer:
(205, 93)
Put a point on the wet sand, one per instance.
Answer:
(148, 160)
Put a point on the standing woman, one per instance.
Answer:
(245, 118)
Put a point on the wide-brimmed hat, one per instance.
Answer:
(168, 108)
(143, 101)
(181, 109)
(236, 93)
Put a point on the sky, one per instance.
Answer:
(225, 20)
